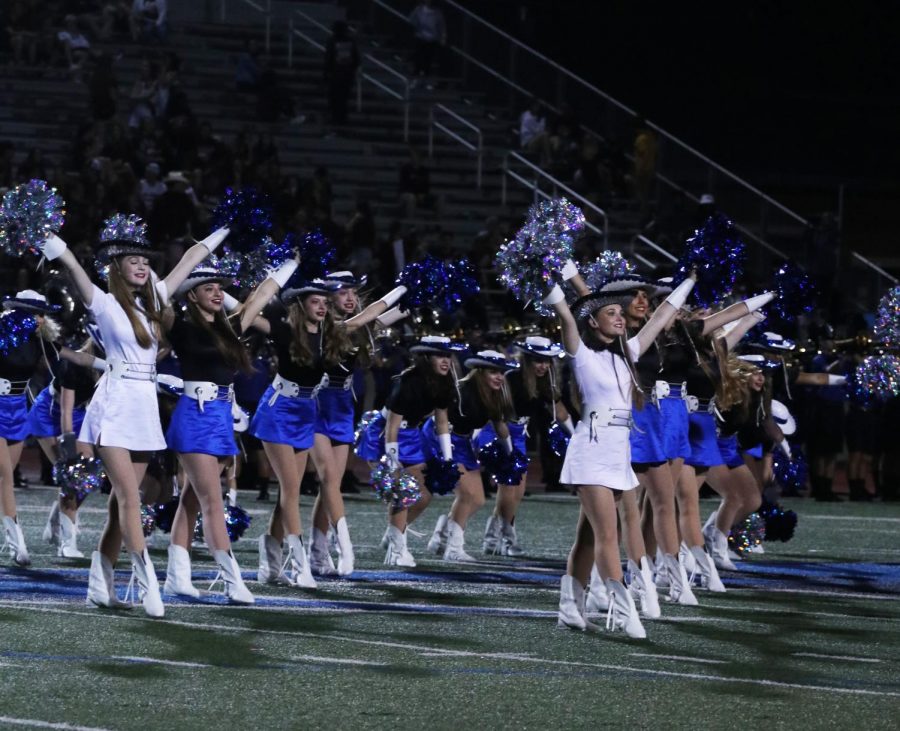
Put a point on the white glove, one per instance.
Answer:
(760, 300)
(446, 446)
(392, 452)
(98, 364)
(679, 295)
(53, 247)
(212, 241)
(554, 295)
(834, 380)
(568, 425)
(569, 270)
(281, 275)
(386, 319)
(393, 297)
(230, 303)
(785, 447)
(506, 443)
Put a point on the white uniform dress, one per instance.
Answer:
(124, 411)
(599, 452)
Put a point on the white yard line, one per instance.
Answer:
(158, 661)
(845, 658)
(679, 658)
(854, 519)
(47, 724)
(812, 592)
(338, 661)
(422, 649)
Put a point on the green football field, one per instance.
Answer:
(808, 636)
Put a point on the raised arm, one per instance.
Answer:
(192, 257)
(736, 330)
(79, 357)
(55, 249)
(736, 312)
(664, 314)
(261, 296)
(375, 309)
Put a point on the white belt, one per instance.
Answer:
(347, 385)
(205, 391)
(662, 389)
(12, 388)
(126, 370)
(284, 387)
(601, 416)
(404, 424)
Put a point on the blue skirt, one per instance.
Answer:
(463, 453)
(487, 435)
(647, 445)
(210, 431)
(44, 418)
(334, 415)
(370, 446)
(675, 427)
(14, 426)
(704, 445)
(755, 451)
(288, 421)
(730, 455)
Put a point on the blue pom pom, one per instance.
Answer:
(248, 216)
(17, 327)
(252, 268)
(716, 253)
(398, 489)
(148, 520)
(125, 227)
(237, 520)
(796, 292)
(505, 469)
(29, 213)
(460, 284)
(164, 513)
(609, 265)
(425, 282)
(792, 473)
(78, 478)
(441, 476)
(780, 523)
(317, 255)
(558, 440)
(887, 319)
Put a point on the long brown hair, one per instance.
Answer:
(359, 340)
(441, 387)
(335, 338)
(224, 337)
(125, 296)
(619, 346)
(547, 388)
(497, 402)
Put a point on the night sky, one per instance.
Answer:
(798, 97)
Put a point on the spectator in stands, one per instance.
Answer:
(645, 152)
(75, 45)
(172, 214)
(430, 33)
(24, 29)
(341, 64)
(415, 185)
(148, 20)
(143, 93)
(102, 88)
(150, 187)
(247, 69)
(359, 232)
(533, 137)
(319, 194)
(273, 99)
(289, 198)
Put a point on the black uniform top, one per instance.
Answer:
(307, 376)
(747, 423)
(21, 363)
(523, 404)
(699, 384)
(412, 398)
(648, 366)
(677, 352)
(198, 355)
(468, 412)
(339, 372)
(79, 379)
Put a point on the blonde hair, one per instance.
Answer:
(497, 402)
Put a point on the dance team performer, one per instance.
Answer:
(122, 419)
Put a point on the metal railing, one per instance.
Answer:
(651, 245)
(264, 9)
(511, 74)
(477, 147)
(537, 175)
(402, 97)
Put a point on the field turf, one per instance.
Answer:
(808, 636)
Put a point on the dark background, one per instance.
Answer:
(797, 97)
